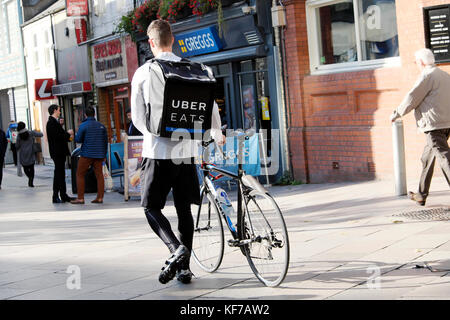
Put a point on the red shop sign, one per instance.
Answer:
(109, 48)
(43, 89)
(77, 8)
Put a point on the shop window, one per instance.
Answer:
(35, 52)
(47, 48)
(352, 34)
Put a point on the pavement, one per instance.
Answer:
(348, 241)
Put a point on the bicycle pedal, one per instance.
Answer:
(234, 243)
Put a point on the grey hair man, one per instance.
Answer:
(430, 100)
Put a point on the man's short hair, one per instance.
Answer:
(52, 108)
(425, 55)
(161, 33)
(90, 112)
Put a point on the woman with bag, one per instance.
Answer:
(25, 145)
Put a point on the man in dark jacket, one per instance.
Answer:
(132, 130)
(59, 150)
(3, 146)
(92, 134)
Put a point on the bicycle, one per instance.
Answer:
(260, 230)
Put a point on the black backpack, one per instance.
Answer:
(188, 99)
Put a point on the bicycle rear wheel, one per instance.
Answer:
(208, 242)
(263, 229)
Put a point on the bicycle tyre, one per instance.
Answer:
(208, 243)
(263, 218)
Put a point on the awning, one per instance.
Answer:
(232, 55)
(71, 88)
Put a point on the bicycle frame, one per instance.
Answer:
(208, 168)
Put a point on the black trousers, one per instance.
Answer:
(2, 160)
(158, 177)
(14, 152)
(59, 177)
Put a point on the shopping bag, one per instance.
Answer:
(108, 179)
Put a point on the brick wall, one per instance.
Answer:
(342, 119)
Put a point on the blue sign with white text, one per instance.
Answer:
(198, 42)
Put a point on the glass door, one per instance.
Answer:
(255, 97)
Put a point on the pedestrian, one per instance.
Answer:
(167, 164)
(59, 150)
(3, 147)
(132, 130)
(430, 100)
(24, 145)
(92, 134)
(11, 135)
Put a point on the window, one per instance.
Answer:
(349, 34)
(47, 48)
(35, 52)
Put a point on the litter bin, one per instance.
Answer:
(90, 180)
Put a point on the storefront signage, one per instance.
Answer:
(109, 61)
(71, 88)
(198, 42)
(133, 158)
(77, 8)
(43, 89)
(437, 22)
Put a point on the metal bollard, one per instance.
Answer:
(398, 144)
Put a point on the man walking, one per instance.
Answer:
(160, 173)
(92, 134)
(3, 146)
(11, 135)
(59, 150)
(430, 100)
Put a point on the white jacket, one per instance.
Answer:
(156, 147)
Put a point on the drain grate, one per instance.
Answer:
(435, 214)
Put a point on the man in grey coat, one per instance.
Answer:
(430, 100)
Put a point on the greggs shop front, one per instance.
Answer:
(241, 54)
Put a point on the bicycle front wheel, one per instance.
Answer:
(265, 237)
(208, 242)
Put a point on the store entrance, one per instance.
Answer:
(243, 96)
(119, 96)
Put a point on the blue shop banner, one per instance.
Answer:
(251, 160)
(198, 42)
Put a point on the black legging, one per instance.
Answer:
(161, 226)
(2, 159)
(29, 171)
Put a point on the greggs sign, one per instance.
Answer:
(198, 42)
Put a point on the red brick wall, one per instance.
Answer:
(344, 117)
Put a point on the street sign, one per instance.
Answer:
(43, 89)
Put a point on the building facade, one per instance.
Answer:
(350, 64)
(39, 48)
(113, 63)
(13, 90)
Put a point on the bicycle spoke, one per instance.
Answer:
(208, 242)
(268, 249)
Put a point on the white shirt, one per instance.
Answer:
(155, 147)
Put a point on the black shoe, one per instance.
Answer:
(184, 276)
(180, 256)
(66, 198)
(30, 183)
(56, 200)
(417, 198)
